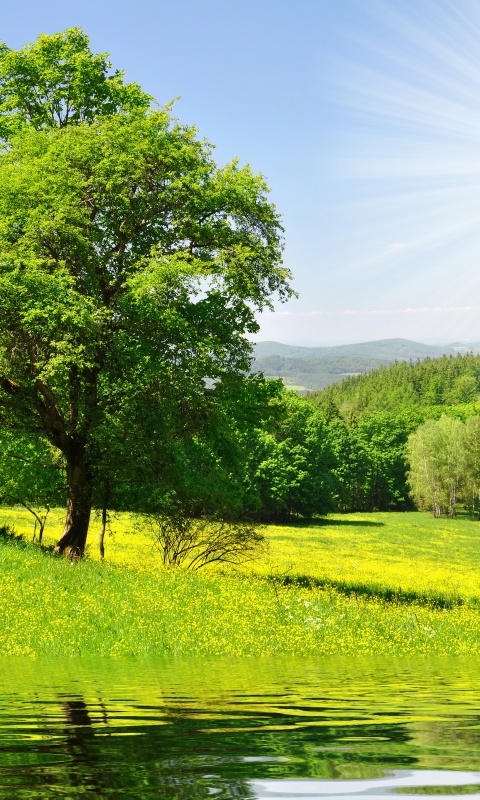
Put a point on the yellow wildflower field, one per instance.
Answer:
(361, 583)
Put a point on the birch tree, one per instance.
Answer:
(437, 457)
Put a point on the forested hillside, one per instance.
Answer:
(443, 381)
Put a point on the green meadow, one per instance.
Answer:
(370, 583)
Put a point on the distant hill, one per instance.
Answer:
(385, 349)
(314, 368)
(310, 374)
(463, 348)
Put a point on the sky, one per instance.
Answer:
(364, 117)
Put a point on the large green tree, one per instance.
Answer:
(131, 266)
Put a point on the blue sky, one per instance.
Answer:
(365, 118)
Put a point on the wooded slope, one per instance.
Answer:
(446, 381)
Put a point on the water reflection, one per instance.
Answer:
(238, 728)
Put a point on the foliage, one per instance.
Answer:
(370, 418)
(261, 453)
(197, 456)
(31, 474)
(58, 81)
(472, 464)
(442, 381)
(370, 472)
(444, 465)
(289, 463)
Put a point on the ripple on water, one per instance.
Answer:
(239, 728)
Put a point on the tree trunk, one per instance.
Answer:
(79, 505)
(453, 501)
(101, 540)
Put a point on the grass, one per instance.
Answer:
(361, 583)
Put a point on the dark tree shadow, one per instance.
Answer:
(374, 591)
(321, 522)
(361, 523)
(8, 535)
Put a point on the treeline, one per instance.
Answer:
(405, 436)
(429, 459)
(282, 455)
(250, 451)
(253, 451)
(369, 471)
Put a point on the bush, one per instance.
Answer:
(193, 543)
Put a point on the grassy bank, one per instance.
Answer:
(363, 583)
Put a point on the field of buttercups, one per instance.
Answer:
(364, 583)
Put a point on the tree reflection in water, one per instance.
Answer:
(95, 758)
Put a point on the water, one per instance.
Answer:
(239, 728)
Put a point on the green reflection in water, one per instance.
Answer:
(188, 728)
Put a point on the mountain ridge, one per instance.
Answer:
(388, 349)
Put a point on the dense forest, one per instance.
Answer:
(442, 381)
(386, 441)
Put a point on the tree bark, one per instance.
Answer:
(79, 505)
